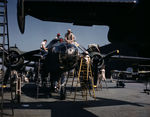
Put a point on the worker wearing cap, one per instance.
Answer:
(56, 40)
(69, 36)
(59, 38)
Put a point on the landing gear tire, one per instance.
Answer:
(120, 84)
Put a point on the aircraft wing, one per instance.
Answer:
(81, 12)
(130, 58)
(143, 72)
(15, 57)
(124, 17)
(31, 55)
(14, 51)
(118, 71)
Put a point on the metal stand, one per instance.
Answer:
(100, 80)
(38, 79)
(42, 85)
(100, 84)
(71, 75)
(146, 90)
(16, 85)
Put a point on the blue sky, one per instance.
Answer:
(37, 30)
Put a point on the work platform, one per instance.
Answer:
(110, 102)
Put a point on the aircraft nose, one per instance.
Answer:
(70, 51)
(69, 59)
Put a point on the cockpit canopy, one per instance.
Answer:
(63, 48)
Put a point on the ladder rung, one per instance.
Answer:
(3, 1)
(5, 44)
(1, 44)
(1, 34)
(2, 24)
(1, 5)
(1, 12)
(83, 69)
(84, 66)
(1, 15)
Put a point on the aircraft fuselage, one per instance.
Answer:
(61, 57)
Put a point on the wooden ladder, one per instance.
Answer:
(85, 78)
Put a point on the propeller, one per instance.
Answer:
(11, 58)
(96, 57)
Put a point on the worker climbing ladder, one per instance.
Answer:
(4, 44)
(85, 78)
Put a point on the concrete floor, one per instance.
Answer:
(110, 102)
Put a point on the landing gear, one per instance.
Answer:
(16, 84)
(146, 90)
(62, 93)
(120, 84)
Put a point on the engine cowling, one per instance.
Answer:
(97, 59)
(12, 59)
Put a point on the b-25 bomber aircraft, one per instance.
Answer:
(61, 57)
(117, 14)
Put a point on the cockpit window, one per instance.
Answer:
(64, 48)
(51, 43)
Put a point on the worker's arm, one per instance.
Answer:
(44, 47)
(73, 38)
(66, 39)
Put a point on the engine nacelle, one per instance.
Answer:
(96, 59)
(12, 59)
